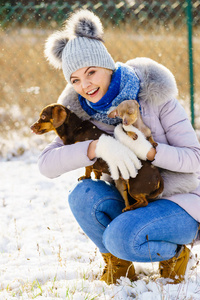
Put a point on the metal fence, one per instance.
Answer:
(166, 31)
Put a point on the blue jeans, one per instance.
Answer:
(147, 234)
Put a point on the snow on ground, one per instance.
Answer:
(45, 255)
(43, 252)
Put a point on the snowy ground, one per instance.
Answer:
(45, 254)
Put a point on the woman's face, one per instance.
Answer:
(91, 82)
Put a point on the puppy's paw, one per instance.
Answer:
(132, 135)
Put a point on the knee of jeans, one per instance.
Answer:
(122, 240)
(87, 192)
(77, 194)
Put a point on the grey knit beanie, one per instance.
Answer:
(79, 45)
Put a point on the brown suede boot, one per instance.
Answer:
(115, 268)
(175, 267)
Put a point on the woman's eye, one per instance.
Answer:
(74, 81)
(91, 72)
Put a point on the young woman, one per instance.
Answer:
(96, 85)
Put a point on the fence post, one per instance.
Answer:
(190, 53)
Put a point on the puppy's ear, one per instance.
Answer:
(135, 101)
(58, 115)
(113, 114)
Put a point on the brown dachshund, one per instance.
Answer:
(129, 112)
(71, 129)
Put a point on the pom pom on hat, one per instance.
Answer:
(54, 47)
(84, 23)
(78, 45)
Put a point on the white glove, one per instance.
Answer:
(118, 157)
(140, 146)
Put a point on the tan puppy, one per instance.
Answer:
(129, 112)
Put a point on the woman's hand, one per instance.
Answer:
(141, 146)
(92, 146)
(151, 154)
(91, 150)
(120, 159)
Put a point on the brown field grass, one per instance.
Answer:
(28, 82)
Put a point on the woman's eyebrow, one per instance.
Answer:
(84, 72)
(88, 69)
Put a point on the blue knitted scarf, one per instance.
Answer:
(124, 85)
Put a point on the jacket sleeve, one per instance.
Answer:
(57, 158)
(182, 153)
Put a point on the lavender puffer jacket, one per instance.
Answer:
(178, 147)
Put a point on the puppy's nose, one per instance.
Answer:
(125, 122)
(33, 127)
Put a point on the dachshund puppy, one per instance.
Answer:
(71, 129)
(129, 112)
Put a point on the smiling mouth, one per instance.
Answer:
(93, 92)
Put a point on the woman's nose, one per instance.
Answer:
(85, 83)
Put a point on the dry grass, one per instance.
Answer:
(23, 67)
(169, 48)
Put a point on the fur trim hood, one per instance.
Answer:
(158, 85)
